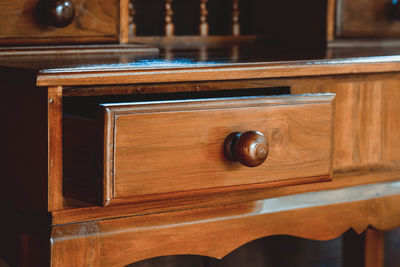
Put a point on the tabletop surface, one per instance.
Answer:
(238, 62)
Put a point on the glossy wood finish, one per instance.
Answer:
(198, 213)
(195, 131)
(127, 240)
(175, 71)
(79, 211)
(365, 118)
(356, 159)
(26, 21)
(359, 18)
(76, 246)
(249, 148)
(59, 13)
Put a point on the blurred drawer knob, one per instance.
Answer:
(59, 13)
(249, 148)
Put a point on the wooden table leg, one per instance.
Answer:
(374, 248)
(365, 250)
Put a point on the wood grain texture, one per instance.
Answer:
(129, 74)
(94, 21)
(365, 122)
(76, 245)
(215, 232)
(356, 161)
(55, 149)
(78, 211)
(358, 18)
(264, 85)
(139, 140)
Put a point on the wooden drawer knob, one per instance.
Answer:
(249, 148)
(59, 13)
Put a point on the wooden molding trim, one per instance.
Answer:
(212, 72)
(217, 231)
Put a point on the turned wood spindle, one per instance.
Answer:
(235, 18)
(132, 14)
(169, 25)
(249, 148)
(203, 28)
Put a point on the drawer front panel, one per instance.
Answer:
(360, 18)
(179, 146)
(25, 21)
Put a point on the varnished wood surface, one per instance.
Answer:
(195, 131)
(249, 148)
(181, 71)
(364, 104)
(205, 232)
(195, 64)
(94, 21)
(55, 160)
(77, 211)
(365, 120)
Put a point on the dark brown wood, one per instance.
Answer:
(59, 13)
(26, 22)
(358, 18)
(393, 11)
(76, 49)
(24, 117)
(249, 148)
(211, 72)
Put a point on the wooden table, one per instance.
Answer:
(68, 203)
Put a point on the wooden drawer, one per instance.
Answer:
(169, 149)
(27, 21)
(364, 18)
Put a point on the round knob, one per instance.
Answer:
(59, 13)
(393, 10)
(249, 148)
